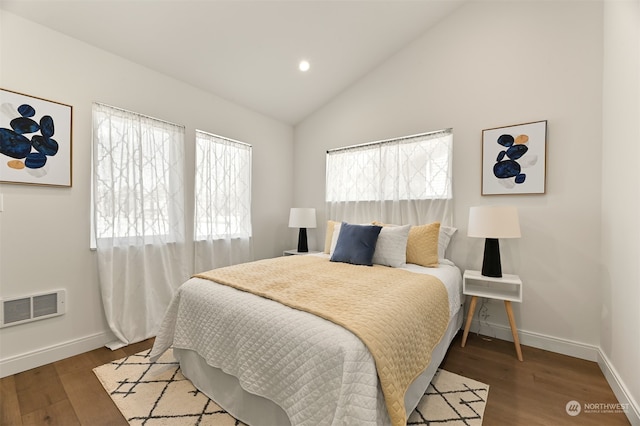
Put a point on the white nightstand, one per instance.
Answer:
(295, 252)
(507, 288)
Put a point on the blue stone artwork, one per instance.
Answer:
(517, 151)
(24, 125)
(46, 126)
(35, 160)
(505, 140)
(46, 146)
(506, 165)
(15, 142)
(514, 159)
(26, 110)
(506, 169)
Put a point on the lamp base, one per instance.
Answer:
(302, 241)
(491, 266)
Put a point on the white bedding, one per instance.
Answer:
(316, 371)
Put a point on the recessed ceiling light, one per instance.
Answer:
(304, 66)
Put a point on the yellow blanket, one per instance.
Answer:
(399, 315)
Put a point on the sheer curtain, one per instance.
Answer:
(222, 230)
(402, 181)
(139, 230)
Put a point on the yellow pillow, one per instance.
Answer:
(422, 245)
(329, 236)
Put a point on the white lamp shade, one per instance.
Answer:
(494, 222)
(302, 218)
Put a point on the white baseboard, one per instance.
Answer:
(538, 340)
(27, 361)
(619, 389)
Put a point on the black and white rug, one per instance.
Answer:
(158, 394)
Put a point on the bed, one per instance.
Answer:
(268, 363)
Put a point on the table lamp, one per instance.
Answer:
(302, 218)
(492, 223)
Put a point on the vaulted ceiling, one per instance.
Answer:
(247, 51)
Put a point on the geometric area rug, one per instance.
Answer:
(155, 394)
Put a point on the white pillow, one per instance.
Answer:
(391, 247)
(334, 239)
(444, 238)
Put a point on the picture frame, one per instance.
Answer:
(35, 140)
(514, 159)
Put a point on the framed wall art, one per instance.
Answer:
(514, 159)
(35, 140)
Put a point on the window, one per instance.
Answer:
(404, 180)
(138, 177)
(222, 188)
(410, 168)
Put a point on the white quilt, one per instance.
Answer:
(318, 372)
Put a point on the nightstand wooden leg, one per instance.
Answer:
(514, 330)
(472, 308)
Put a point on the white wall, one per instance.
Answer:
(492, 64)
(620, 323)
(44, 231)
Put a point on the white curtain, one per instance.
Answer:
(402, 181)
(222, 230)
(139, 230)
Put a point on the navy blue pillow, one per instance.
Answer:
(356, 244)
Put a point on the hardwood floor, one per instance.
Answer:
(63, 393)
(533, 392)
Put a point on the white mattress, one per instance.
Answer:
(303, 369)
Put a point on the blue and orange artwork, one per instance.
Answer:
(508, 163)
(35, 140)
(28, 142)
(514, 159)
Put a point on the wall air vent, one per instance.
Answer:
(19, 310)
